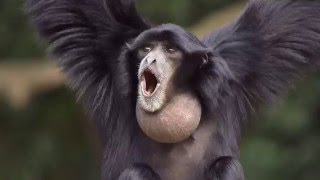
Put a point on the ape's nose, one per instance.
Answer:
(151, 60)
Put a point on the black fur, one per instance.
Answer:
(139, 172)
(253, 60)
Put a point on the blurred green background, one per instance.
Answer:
(44, 135)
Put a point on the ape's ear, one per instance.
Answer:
(202, 56)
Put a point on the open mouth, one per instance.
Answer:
(149, 83)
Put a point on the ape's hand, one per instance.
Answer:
(139, 172)
(225, 168)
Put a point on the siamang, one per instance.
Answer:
(168, 105)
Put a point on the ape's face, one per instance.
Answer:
(168, 109)
(159, 62)
(164, 92)
(168, 61)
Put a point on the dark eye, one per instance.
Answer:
(205, 60)
(147, 49)
(171, 49)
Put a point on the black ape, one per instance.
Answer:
(251, 61)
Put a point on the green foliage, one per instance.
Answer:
(17, 39)
(283, 143)
(48, 140)
(182, 12)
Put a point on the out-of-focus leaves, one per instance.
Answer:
(288, 136)
(48, 140)
(16, 37)
(182, 12)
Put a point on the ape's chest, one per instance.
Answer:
(185, 161)
(178, 166)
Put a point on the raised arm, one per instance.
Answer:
(88, 38)
(270, 46)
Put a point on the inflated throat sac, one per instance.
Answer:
(175, 122)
